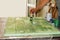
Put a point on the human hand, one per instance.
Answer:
(33, 10)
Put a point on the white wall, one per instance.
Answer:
(12, 8)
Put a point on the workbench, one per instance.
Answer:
(22, 28)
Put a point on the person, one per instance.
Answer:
(42, 4)
(58, 7)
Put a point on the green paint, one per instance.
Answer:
(23, 25)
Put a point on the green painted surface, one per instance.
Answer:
(24, 26)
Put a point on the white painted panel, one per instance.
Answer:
(32, 2)
(12, 8)
(31, 5)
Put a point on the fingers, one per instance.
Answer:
(32, 10)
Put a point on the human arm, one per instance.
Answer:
(41, 4)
